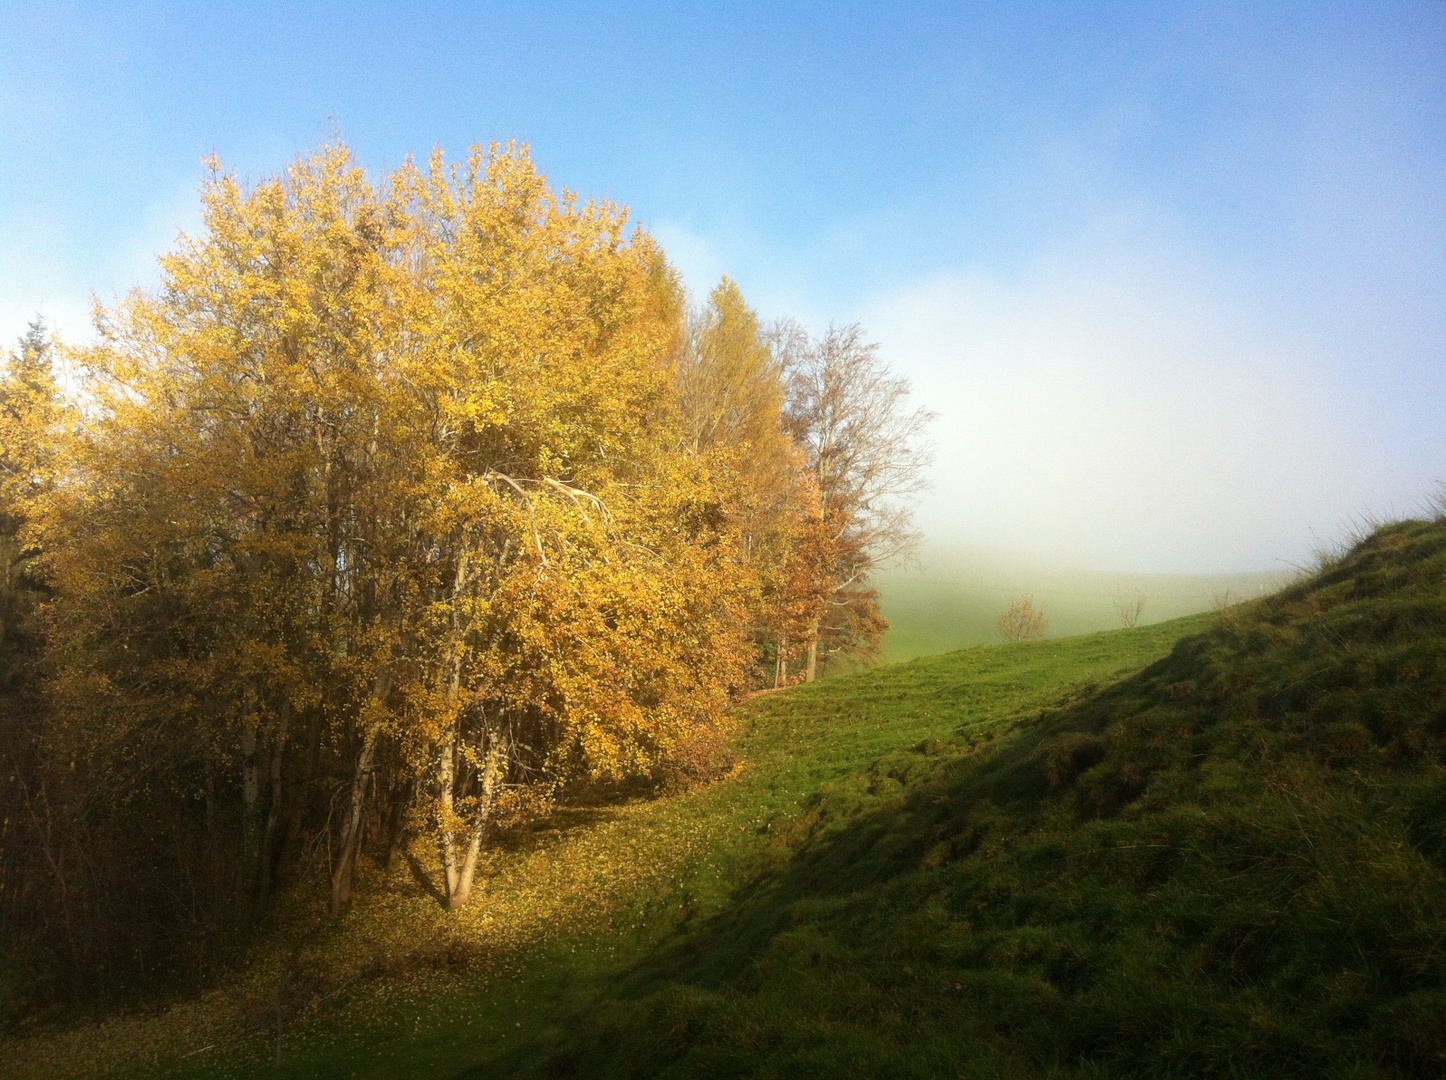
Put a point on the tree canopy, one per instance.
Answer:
(400, 509)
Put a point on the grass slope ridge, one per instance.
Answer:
(1230, 864)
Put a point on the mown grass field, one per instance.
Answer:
(1210, 847)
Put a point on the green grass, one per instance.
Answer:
(1214, 847)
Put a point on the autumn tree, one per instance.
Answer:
(31, 415)
(830, 453)
(375, 524)
(403, 506)
(866, 454)
(730, 382)
(731, 393)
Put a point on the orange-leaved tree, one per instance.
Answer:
(1022, 621)
(866, 454)
(732, 398)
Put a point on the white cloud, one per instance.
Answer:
(1109, 412)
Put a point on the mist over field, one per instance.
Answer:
(951, 597)
(1121, 419)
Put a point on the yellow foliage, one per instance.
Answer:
(389, 470)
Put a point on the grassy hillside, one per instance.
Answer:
(1209, 848)
(953, 597)
(1232, 864)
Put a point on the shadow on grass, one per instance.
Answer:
(1107, 890)
(1227, 865)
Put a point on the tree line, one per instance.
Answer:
(400, 510)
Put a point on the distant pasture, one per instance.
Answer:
(952, 598)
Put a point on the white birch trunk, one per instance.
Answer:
(491, 774)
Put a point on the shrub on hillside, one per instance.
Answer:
(1022, 621)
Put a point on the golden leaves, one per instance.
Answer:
(398, 458)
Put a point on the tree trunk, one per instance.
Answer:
(341, 877)
(491, 774)
(250, 790)
(812, 660)
(397, 834)
(302, 794)
(447, 763)
(446, 780)
(273, 817)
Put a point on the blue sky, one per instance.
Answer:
(1172, 275)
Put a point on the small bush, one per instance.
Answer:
(706, 755)
(1022, 621)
